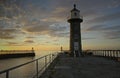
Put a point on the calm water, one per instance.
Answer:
(26, 71)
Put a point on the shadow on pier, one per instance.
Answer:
(89, 66)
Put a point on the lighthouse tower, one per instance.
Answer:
(75, 32)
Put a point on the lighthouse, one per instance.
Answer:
(75, 32)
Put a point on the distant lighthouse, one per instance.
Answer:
(75, 32)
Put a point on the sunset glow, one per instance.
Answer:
(42, 24)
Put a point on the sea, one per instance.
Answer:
(26, 71)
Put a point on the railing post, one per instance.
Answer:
(107, 53)
(37, 67)
(50, 58)
(45, 61)
(104, 54)
(95, 53)
(113, 54)
(98, 52)
(110, 53)
(117, 55)
(7, 74)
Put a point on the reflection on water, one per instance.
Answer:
(26, 71)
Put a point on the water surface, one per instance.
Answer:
(26, 71)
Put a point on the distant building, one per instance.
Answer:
(75, 32)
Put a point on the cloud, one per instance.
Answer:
(96, 28)
(10, 9)
(91, 13)
(105, 18)
(88, 38)
(103, 28)
(29, 41)
(54, 30)
(12, 43)
(7, 33)
(2, 11)
(59, 30)
(56, 15)
(115, 3)
(60, 34)
(110, 32)
(10, 19)
(59, 27)
(30, 37)
(37, 29)
(8, 43)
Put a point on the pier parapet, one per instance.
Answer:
(16, 53)
(113, 54)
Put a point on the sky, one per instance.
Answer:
(42, 24)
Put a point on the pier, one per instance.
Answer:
(88, 66)
(16, 53)
(62, 65)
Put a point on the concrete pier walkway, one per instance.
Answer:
(83, 67)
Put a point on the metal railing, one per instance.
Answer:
(47, 60)
(114, 54)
